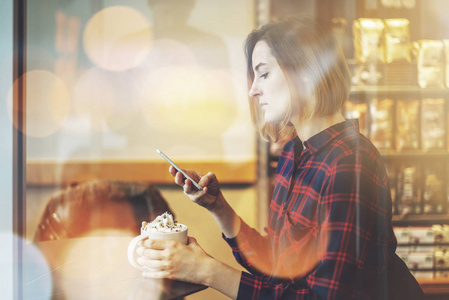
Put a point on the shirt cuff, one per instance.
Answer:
(249, 287)
(241, 236)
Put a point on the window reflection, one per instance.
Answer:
(110, 81)
(139, 77)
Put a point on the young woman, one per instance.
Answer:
(329, 234)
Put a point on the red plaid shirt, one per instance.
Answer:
(330, 234)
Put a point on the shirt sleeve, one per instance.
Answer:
(352, 241)
(251, 250)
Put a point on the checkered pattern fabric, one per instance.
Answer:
(329, 234)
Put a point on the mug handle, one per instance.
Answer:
(132, 255)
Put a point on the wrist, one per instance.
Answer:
(219, 206)
(227, 219)
(223, 278)
(210, 267)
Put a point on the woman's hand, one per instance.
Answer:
(208, 197)
(173, 260)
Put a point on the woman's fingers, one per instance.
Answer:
(154, 254)
(172, 171)
(171, 259)
(184, 182)
(209, 183)
(192, 240)
(150, 253)
(157, 256)
(179, 179)
(204, 181)
(160, 265)
(189, 187)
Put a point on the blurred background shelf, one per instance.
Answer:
(435, 286)
(381, 97)
(394, 91)
(420, 220)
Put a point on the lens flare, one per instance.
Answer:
(117, 38)
(47, 103)
(189, 99)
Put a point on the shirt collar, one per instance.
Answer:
(323, 138)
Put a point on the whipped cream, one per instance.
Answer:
(163, 223)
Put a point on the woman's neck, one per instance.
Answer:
(309, 128)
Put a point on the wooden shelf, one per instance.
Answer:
(420, 220)
(423, 244)
(418, 157)
(434, 286)
(429, 270)
(414, 153)
(399, 89)
(67, 172)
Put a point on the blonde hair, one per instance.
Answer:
(314, 65)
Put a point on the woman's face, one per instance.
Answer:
(270, 85)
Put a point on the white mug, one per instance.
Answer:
(180, 236)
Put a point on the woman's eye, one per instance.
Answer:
(264, 75)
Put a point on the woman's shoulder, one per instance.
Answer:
(354, 148)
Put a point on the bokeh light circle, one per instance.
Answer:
(47, 103)
(189, 99)
(117, 38)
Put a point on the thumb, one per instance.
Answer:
(193, 244)
(192, 240)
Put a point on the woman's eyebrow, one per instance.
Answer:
(258, 66)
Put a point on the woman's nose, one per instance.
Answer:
(255, 91)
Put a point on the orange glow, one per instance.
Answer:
(117, 38)
(300, 253)
(92, 262)
(47, 103)
(189, 99)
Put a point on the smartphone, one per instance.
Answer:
(179, 169)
